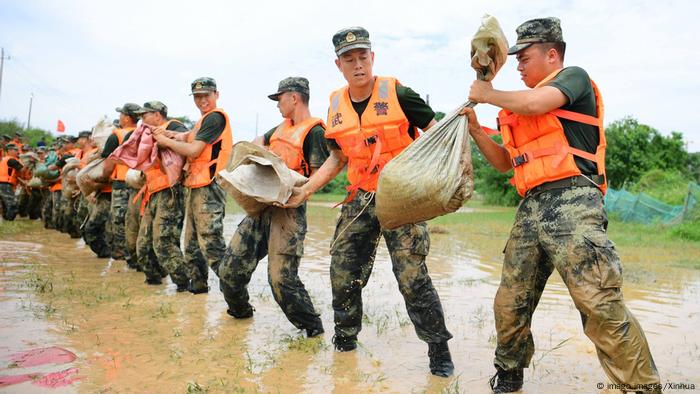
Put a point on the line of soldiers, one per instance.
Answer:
(560, 224)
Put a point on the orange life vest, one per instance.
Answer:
(201, 170)
(156, 178)
(371, 141)
(287, 142)
(85, 156)
(7, 173)
(119, 173)
(538, 147)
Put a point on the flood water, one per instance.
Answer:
(130, 337)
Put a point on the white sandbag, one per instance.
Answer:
(101, 131)
(256, 178)
(90, 179)
(135, 179)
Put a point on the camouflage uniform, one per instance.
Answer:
(117, 209)
(278, 233)
(8, 200)
(56, 214)
(36, 197)
(204, 241)
(158, 245)
(71, 222)
(353, 249)
(566, 229)
(23, 202)
(97, 235)
(47, 210)
(131, 228)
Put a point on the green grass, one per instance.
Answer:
(15, 227)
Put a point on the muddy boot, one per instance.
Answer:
(181, 288)
(153, 281)
(314, 331)
(506, 381)
(241, 312)
(198, 287)
(440, 359)
(344, 344)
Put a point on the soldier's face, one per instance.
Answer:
(356, 66)
(152, 118)
(206, 102)
(285, 104)
(534, 64)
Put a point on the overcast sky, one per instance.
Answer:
(81, 59)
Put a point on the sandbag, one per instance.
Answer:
(433, 176)
(101, 132)
(135, 179)
(68, 176)
(90, 179)
(42, 171)
(35, 183)
(257, 178)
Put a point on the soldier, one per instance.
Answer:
(59, 205)
(554, 140)
(360, 118)
(278, 232)
(71, 219)
(158, 245)
(121, 205)
(10, 169)
(38, 195)
(207, 148)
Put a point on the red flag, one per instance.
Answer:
(60, 127)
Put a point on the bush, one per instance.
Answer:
(669, 186)
(337, 185)
(689, 231)
(493, 185)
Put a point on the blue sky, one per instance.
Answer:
(81, 59)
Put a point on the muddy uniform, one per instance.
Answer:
(277, 233)
(355, 243)
(120, 200)
(158, 246)
(564, 227)
(9, 169)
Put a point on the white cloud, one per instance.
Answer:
(83, 58)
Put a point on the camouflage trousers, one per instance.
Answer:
(566, 229)
(34, 205)
(47, 210)
(353, 249)
(97, 230)
(117, 211)
(8, 199)
(277, 233)
(23, 202)
(56, 206)
(158, 245)
(132, 221)
(71, 222)
(204, 232)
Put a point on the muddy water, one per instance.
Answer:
(130, 337)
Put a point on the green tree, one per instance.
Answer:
(492, 184)
(635, 148)
(32, 136)
(189, 123)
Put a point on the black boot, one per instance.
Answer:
(506, 381)
(344, 344)
(440, 359)
(314, 331)
(241, 312)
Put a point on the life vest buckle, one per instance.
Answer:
(370, 141)
(520, 160)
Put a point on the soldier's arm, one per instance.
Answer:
(188, 149)
(329, 170)
(535, 101)
(496, 154)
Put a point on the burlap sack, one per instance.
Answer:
(256, 178)
(135, 179)
(68, 175)
(101, 131)
(431, 177)
(89, 177)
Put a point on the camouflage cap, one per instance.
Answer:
(291, 84)
(41, 149)
(11, 146)
(71, 139)
(85, 134)
(536, 31)
(203, 85)
(351, 38)
(129, 109)
(154, 106)
(6, 137)
(115, 123)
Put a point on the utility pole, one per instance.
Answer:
(2, 64)
(29, 117)
(427, 98)
(256, 125)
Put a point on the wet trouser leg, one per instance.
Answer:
(569, 227)
(22, 202)
(204, 232)
(47, 210)
(57, 197)
(167, 228)
(120, 200)
(35, 200)
(131, 227)
(96, 234)
(70, 213)
(8, 200)
(145, 256)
